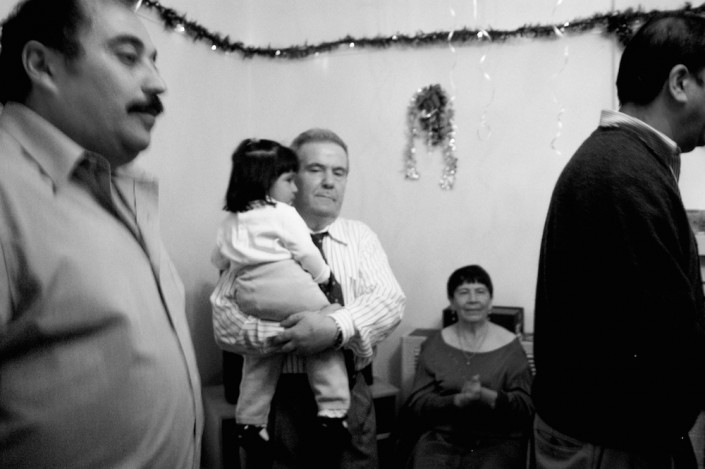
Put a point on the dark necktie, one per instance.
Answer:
(332, 289)
(334, 294)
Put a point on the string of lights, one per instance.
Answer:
(619, 24)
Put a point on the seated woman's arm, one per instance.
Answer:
(426, 401)
(514, 400)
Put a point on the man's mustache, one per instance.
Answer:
(153, 106)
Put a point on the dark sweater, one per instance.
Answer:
(441, 373)
(619, 318)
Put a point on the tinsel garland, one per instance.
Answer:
(616, 23)
(430, 118)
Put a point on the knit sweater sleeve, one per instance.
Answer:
(428, 400)
(513, 402)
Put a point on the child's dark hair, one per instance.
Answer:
(256, 166)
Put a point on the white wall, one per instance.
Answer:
(495, 213)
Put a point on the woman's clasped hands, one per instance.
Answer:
(471, 391)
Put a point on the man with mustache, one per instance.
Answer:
(373, 304)
(97, 365)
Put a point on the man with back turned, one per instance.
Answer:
(620, 325)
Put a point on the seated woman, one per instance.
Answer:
(470, 402)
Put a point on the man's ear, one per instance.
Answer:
(677, 83)
(40, 63)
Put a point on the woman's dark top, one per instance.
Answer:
(444, 428)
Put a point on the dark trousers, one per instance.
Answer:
(296, 438)
(438, 450)
(555, 450)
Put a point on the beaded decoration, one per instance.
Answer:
(430, 117)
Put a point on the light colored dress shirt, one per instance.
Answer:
(374, 301)
(97, 367)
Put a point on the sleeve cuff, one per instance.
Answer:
(345, 325)
(324, 276)
(501, 401)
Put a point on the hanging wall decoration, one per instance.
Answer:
(618, 23)
(430, 119)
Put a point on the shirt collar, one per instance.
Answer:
(657, 140)
(55, 153)
(336, 232)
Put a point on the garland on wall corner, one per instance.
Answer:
(430, 118)
(615, 23)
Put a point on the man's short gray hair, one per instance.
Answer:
(317, 135)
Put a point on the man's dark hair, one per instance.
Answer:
(664, 41)
(469, 274)
(54, 23)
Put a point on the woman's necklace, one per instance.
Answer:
(470, 353)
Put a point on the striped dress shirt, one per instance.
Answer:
(374, 301)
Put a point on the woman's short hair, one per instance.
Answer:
(469, 274)
(256, 165)
(664, 41)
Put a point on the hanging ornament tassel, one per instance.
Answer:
(410, 171)
(560, 33)
(430, 118)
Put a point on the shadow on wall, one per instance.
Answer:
(208, 354)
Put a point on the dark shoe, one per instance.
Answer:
(255, 448)
(253, 438)
(335, 431)
(334, 440)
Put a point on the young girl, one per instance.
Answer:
(271, 269)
